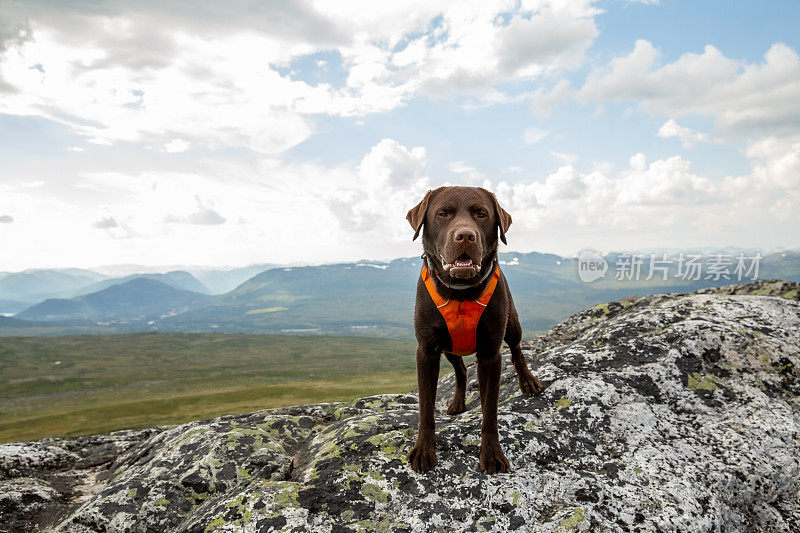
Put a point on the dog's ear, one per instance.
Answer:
(501, 216)
(416, 216)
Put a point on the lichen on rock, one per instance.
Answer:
(668, 413)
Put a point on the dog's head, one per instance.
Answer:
(460, 229)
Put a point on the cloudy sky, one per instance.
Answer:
(228, 133)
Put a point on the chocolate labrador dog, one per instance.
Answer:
(463, 306)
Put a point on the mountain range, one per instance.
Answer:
(360, 298)
(138, 300)
(178, 279)
(20, 290)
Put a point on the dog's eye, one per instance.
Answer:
(443, 213)
(481, 214)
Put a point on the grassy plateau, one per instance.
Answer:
(85, 384)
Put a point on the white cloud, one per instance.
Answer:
(177, 146)
(534, 135)
(467, 174)
(290, 211)
(638, 162)
(13, 26)
(471, 51)
(158, 215)
(603, 167)
(565, 157)
(530, 46)
(659, 203)
(389, 178)
(390, 164)
(6, 219)
(460, 167)
(544, 101)
(745, 98)
(224, 102)
(687, 136)
(308, 212)
(205, 215)
(664, 182)
(212, 74)
(106, 222)
(772, 189)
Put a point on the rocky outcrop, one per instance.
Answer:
(671, 413)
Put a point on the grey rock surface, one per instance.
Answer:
(667, 413)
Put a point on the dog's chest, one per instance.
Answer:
(461, 316)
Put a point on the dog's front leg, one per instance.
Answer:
(422, 456)
(458, 405)
(492, 458)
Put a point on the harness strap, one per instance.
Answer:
(461, 316)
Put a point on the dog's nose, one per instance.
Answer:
(465, 234)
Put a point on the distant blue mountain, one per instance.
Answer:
(220, 281)
(10, 307)
(178, 279)
(35, 285)
(346, 298)
(139, 300)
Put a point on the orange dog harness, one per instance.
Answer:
(461, 316)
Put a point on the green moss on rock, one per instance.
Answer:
(698, 381)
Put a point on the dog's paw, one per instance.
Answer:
(529, 384)
(493, 460)
(422, 457)
(456, 407)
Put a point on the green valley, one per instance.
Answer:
(80, 385)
